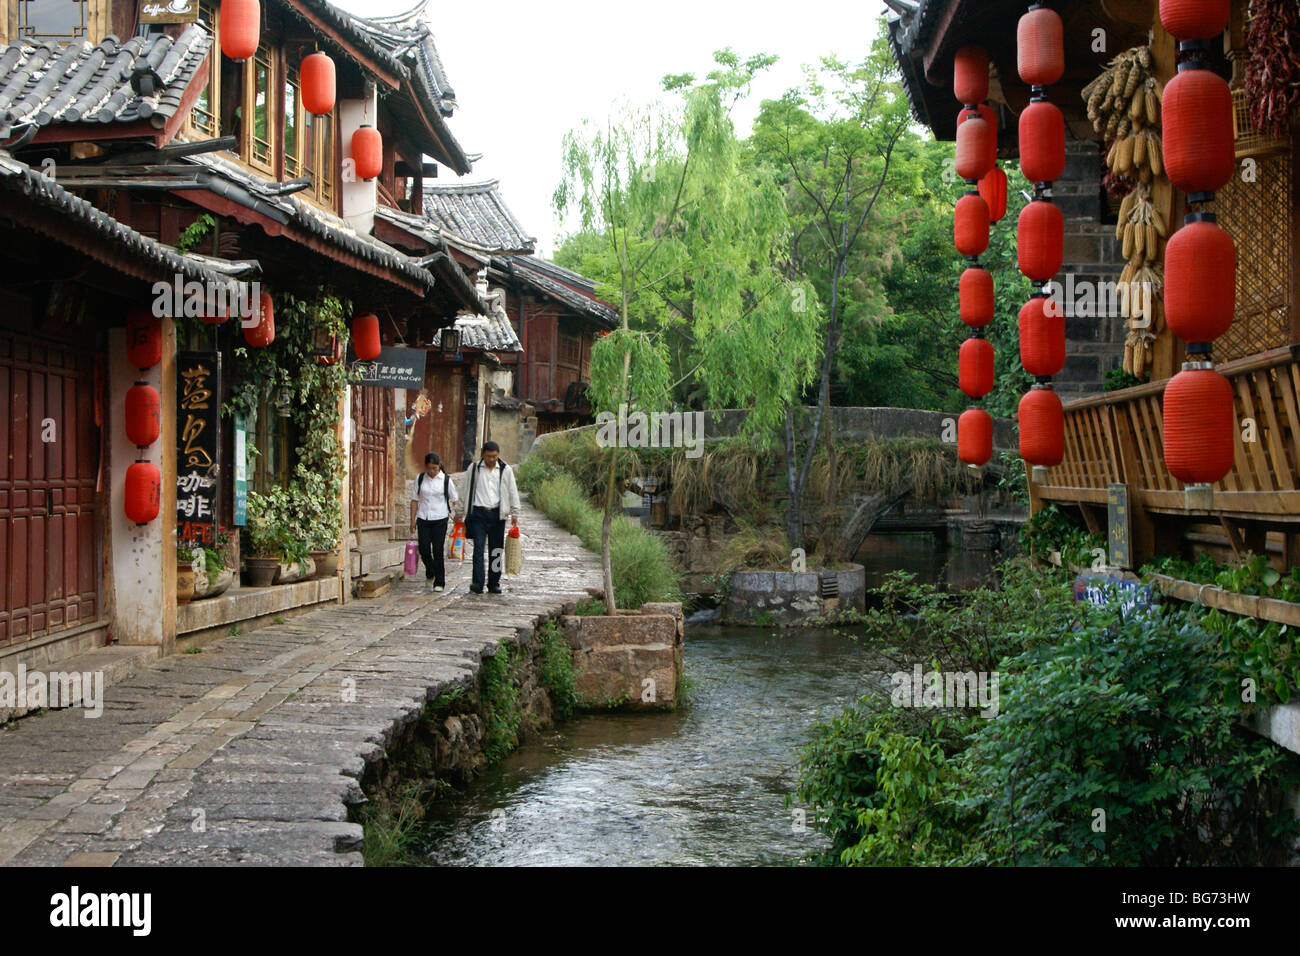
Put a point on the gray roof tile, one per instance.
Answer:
(476, 215)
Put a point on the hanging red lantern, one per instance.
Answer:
(1042, 338)
(368, 152)
(975, 367)
(1198, 144)
(1042, 427)
(241, 27)
(365, 337)
(970, 225)
(261, 333)
(143, 338)
(975, 297)
(1040, 240)
(142, 492)
(1040, 47)
(1200, 280)
(1199, 425)
(316, 76)
(975, 437)
(1194, 19)
(142, 414)
(970, 75)
(987, 113)
(993, 190)
(977, 149)
(1042, 142)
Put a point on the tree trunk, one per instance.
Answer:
(794, 515)
(606, 567)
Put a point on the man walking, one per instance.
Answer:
(432, 500)
(492, 495)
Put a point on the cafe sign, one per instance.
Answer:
(395, 368)
(172, 11)
(198, 440)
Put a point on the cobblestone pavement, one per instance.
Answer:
(245, 753)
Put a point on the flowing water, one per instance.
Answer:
(703, 786)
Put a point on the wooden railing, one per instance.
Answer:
(1115, 438)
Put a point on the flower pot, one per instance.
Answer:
(184, 584)
(261, 572)
(296, 571)
(327, 563)
(213, 584)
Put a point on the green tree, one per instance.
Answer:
(690, 230)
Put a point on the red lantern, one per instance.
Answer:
(1199, 425)
(143, 338)
(365, 337)
(316, 75)
(142, 492)
(241, 27)
(1198, 145)
(368, 152)
(975, 437)
(1200, 280)
(987, 113)
(1194, 19)
(1042, 338)
(259, 330)
(975, 367)
(975, 297)
(993, 190)
(970, 75)
(977, 149)
(970, 225)
(1040, 240)
(143, 414)
(1040, 47)
(1042, 427)
(1042, 142)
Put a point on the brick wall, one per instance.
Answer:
(1094, 345)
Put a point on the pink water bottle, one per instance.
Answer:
(412, 558)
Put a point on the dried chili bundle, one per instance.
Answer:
(1273, 70)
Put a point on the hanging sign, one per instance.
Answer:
(198, 443)
(169, 11)
(395, 368)
(241, 473)
(1119, 525)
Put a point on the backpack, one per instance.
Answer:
(446, 480)
(473, 475)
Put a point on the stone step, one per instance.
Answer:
(376, 584)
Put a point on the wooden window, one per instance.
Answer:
(292, 123)
(570, 349)
(52, 19)
(325, 162)
(273, 441)
(260, 109)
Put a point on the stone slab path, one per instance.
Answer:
(247, 752)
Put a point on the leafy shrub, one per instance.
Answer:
(499, 686)
(555, 664)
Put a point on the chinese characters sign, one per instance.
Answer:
(1119, 525)
(395, 368)
(198, 440)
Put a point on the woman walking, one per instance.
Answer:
(433, 500)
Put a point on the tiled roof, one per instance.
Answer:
(44, 83)
(534, 272)
(354, 29)
(475, 214)
(487, 333)
(20, 177)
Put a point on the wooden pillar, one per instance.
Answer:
(1169, 350)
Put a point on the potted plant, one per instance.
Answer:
(185, 555)
(265, 540)
(216, 561)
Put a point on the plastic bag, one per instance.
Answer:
(412, 558)
(514, 551)
(456, 544)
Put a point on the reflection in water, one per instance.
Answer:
(705, 785)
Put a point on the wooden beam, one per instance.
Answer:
(1234, 537)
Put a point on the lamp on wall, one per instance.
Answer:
(450, 343)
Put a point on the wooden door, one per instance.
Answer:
(372, 410)
(49, 452)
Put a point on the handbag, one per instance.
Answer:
(514, 551)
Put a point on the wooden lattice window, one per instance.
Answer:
(52, 19)
(1257, 216)
(203, 117)
(260, 109)
(292, 116)
(570, 350)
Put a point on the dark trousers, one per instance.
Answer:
(488, 531)
(432, 535)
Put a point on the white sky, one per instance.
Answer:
(525, 73)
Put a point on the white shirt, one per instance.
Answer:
(433, 505)
(487, 489)
(493, 488)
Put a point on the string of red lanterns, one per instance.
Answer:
(976, 164)
(142, 415)
(1200, 259)
(1040, 234)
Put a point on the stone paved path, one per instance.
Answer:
(246, 752)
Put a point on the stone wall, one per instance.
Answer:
(790, 598)
(631, 661)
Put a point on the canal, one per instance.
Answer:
(706, 785)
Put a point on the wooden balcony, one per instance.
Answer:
(1115, 438)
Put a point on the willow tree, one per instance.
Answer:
(693, 237)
